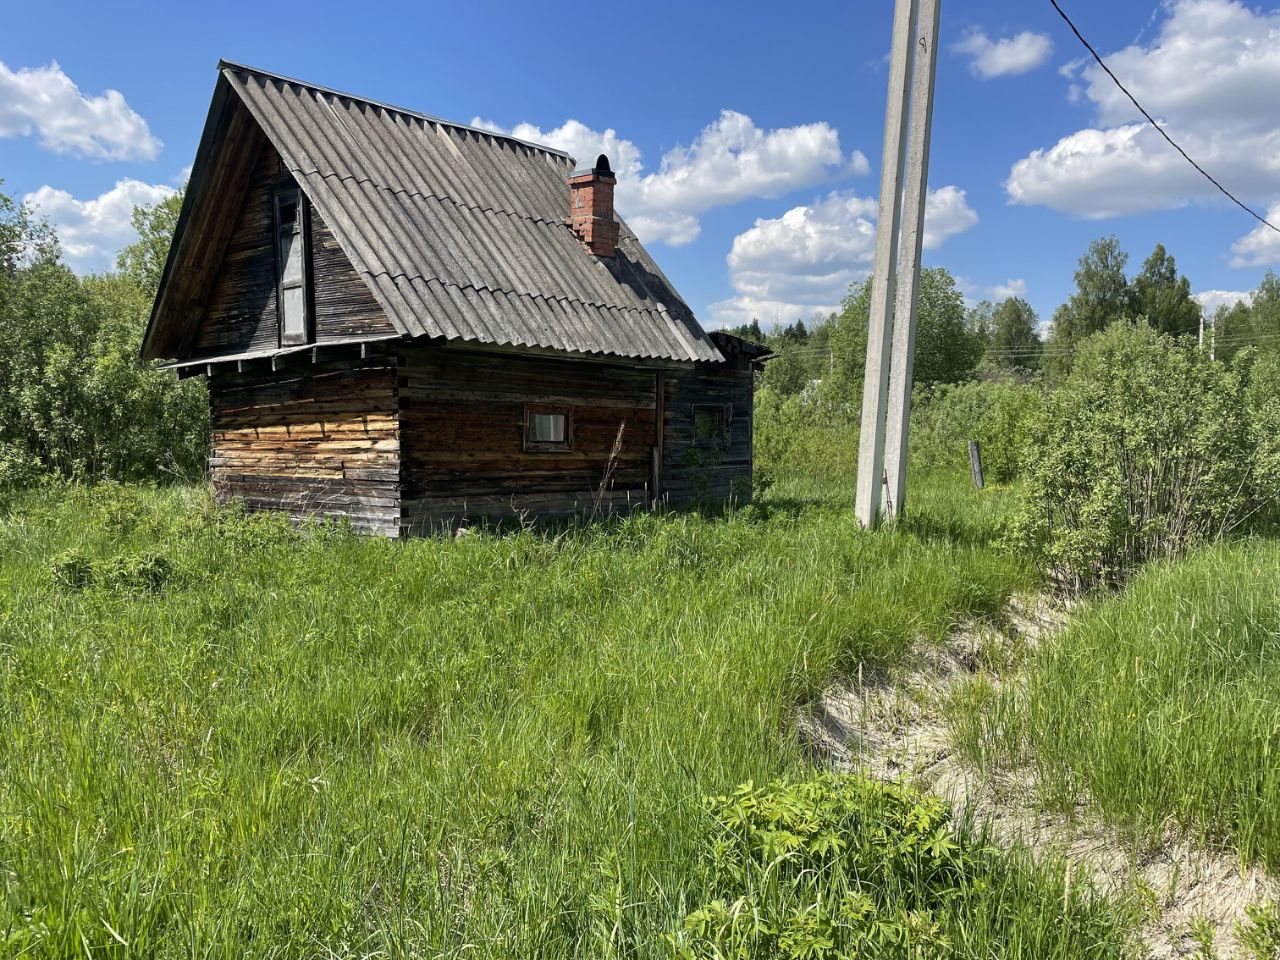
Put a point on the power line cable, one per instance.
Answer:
(1150, 119)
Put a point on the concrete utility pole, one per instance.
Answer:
(912, 65)
(904, 327)
(875, 385)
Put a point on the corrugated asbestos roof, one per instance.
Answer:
(461, 233)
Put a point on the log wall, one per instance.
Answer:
(462, 429)
(315, 440)
(426, 438)
(707, 471)
(241, 313)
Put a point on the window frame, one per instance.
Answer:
(282, 197)
(548, 446)
(723, 412)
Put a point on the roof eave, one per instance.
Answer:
(221, 93)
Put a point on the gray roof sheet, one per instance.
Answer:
(461, 233)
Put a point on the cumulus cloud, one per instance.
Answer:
(1260, 247)
(1211, 300)
(44, 101)
(93, 231)
(730, 160)
(1209, 74)
(946, 214)
(791, 267)
(1003, 291)
(1005, 57)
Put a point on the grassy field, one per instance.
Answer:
(222, 738)
(1173, 690)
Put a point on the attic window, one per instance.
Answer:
(292, 267)
(547, 428)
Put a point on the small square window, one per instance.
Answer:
(548, 428)
(711, 423)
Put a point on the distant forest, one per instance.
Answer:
(1007, 340)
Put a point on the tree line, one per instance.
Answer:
(76, 400)
(824, 358)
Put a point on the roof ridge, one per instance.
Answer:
(416, 114)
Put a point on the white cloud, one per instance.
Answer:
(1211, 300)
(1004, 57)
(1210, 75)
(791, 267)
(1003, 291)
(1260, 247)
(44, 101)
(736, 311)
(93, 231)
(946, 214)
(729, 161)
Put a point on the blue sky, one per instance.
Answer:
(747, 135)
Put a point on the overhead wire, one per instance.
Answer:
(801, 352)
(1159, 129)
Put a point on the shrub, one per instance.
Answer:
(245, 532)
(849, 866)
(796, 436)
(145, 572)
(998, 414)
(1263, 406)
(72, 570)
(129, 573)
(1261, 934)
(1145, 450)
(76, 400)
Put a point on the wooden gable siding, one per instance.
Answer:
(316, 440)
(344, 306)
(697, 471)
(462, 430)
(241, 312)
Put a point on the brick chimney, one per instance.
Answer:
(591, 208)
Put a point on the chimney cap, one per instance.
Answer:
(599, 171)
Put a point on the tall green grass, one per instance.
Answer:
(1160, 705)
(221, 738)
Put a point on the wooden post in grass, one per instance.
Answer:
(975, 464)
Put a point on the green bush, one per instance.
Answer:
(996, 413)
(1145, 450)
(1263, 406)
(76, 400)
(72, 570)
(1261, 934)
(850, 866)
(130, 573)
(797, 437)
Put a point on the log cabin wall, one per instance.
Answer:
(462, 423)
(702, 465)
(313, 440)
(241, 313)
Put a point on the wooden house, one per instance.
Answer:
(412, 323)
